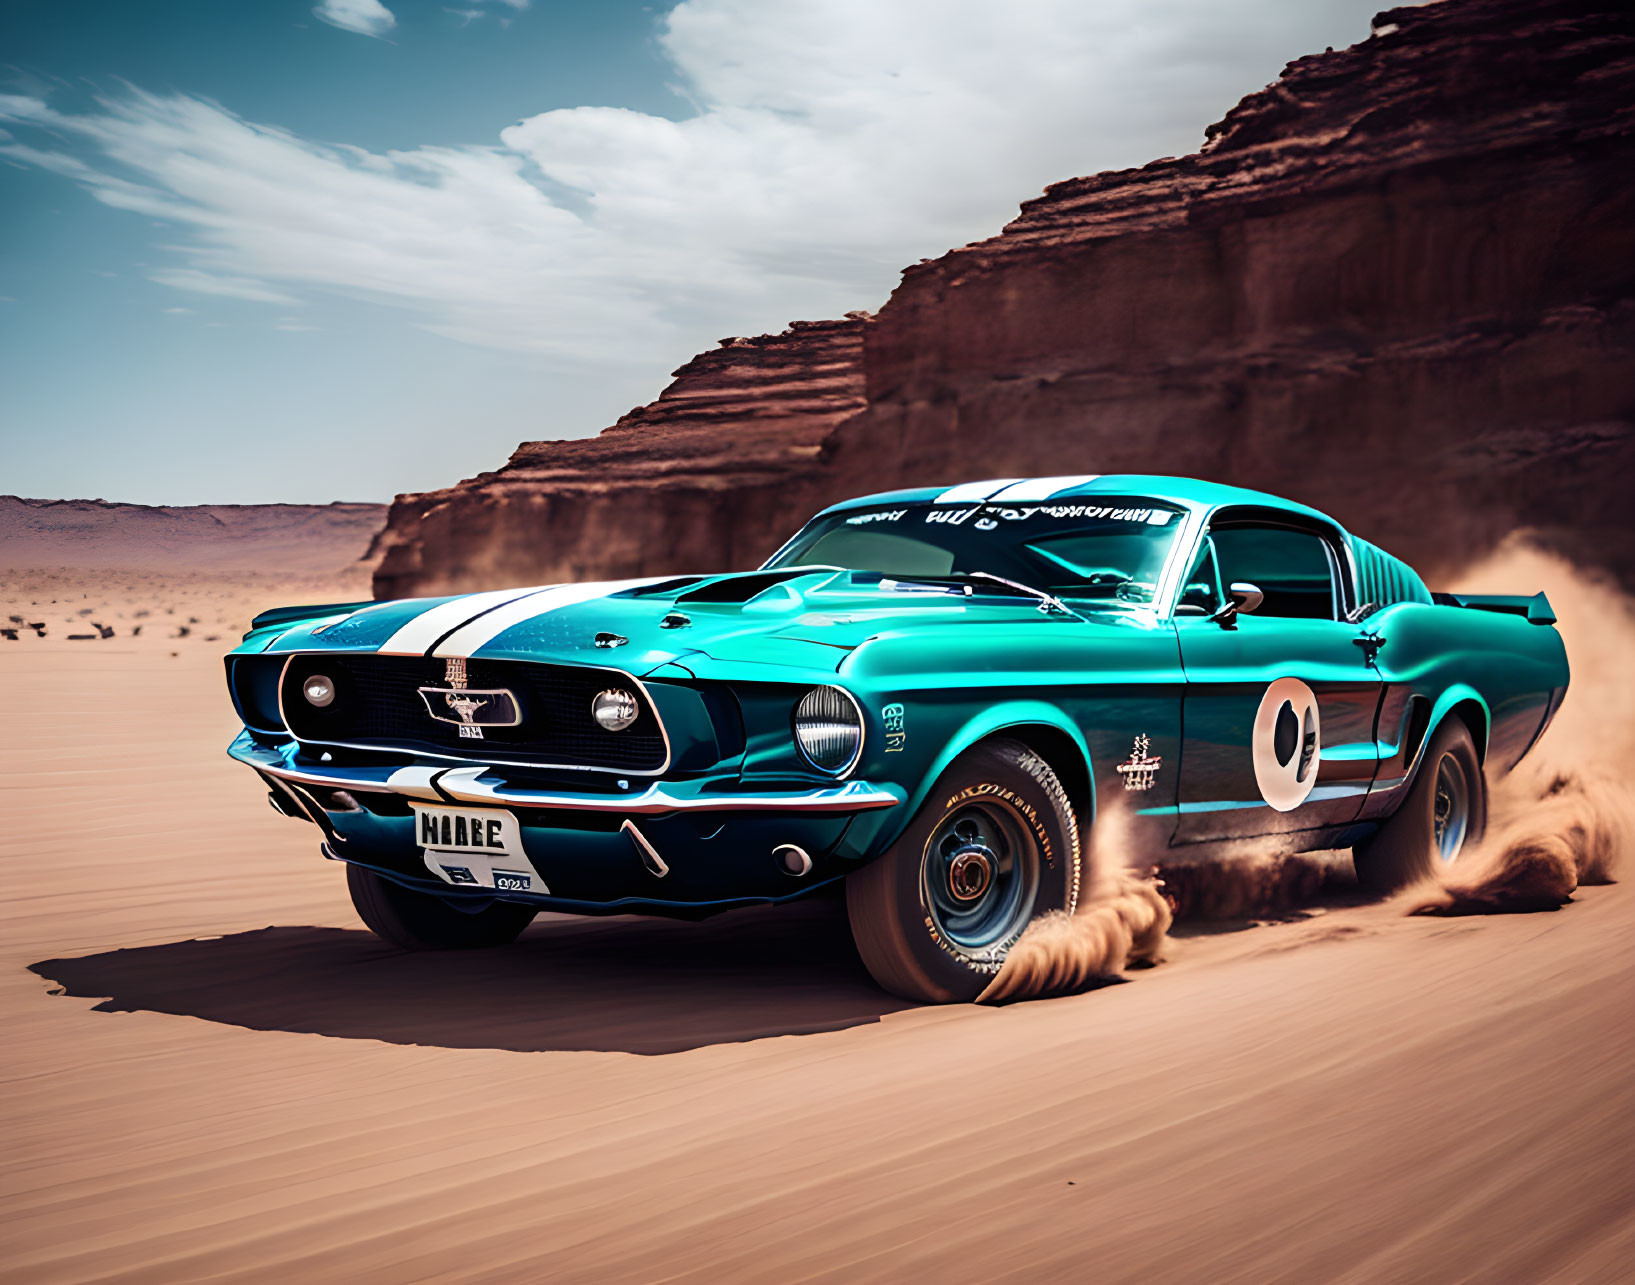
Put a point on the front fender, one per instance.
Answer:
(987, 722)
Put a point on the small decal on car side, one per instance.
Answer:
(896, 731)
(1140, 770)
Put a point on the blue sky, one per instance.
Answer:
(271, 251)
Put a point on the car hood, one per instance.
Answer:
(802, 617)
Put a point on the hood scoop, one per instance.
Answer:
(664, 588)
(739, 589)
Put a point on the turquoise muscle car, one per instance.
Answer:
(928, 694)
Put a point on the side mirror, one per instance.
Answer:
(1242, 598)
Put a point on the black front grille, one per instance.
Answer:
(378, 704)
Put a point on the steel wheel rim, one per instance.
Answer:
(1450, 808)
(980, 875)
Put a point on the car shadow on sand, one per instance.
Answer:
(627, 985)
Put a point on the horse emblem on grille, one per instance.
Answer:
(497, 706)
(454, 674)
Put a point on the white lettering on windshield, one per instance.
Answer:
(991, 517)
(864, 518)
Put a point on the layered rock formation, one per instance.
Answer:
(694, 481)
(1398, 284)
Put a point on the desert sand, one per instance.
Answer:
(212, 1071)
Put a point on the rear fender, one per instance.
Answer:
(1458, 701)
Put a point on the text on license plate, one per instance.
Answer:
(466, 829)
(475, 847)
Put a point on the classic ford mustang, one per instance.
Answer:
(928, 694)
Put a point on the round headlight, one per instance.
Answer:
(319, 690)
(829, 729)
(614, 709)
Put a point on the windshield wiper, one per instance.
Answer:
(1048, 602)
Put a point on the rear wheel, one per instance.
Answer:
(1444, 816)
(995, 845)
(420, 921)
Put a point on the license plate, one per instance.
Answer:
(475, 848)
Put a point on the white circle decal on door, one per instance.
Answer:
(1287, 744)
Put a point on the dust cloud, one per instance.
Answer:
(1255, 883)
(1566, 815)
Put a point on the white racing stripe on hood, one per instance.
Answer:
(420, 633)
(1040, 488)
(482, 631)
(970, 492)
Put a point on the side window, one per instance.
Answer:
(1293, 569)
(1201, 590)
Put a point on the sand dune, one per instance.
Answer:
(210, 1070)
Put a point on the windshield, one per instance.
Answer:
(1110, 551)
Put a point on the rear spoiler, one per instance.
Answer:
(1537, 609)
(289, 615)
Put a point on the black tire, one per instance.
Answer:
(998, 818)
(1416, 842)
(420, 921)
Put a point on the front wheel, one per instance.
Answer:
(1443, 816)
(995, 845)
(420, 921)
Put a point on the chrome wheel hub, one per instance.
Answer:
(970, 872)
(1450, 816)
(981, 876)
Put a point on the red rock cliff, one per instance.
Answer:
(692, 482)
(1398, 284)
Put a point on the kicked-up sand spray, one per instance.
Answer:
(1566, 815)
(1122, 919)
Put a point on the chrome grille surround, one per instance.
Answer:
(380, 708)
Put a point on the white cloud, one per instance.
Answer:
(366, 17)
(833, 142)
(228, 287)
(476, 10)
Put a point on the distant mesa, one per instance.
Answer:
(291, 539)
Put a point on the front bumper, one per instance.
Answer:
(592, 849)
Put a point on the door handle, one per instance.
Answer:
(1370, 644)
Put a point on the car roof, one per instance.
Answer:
(1190, 493)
